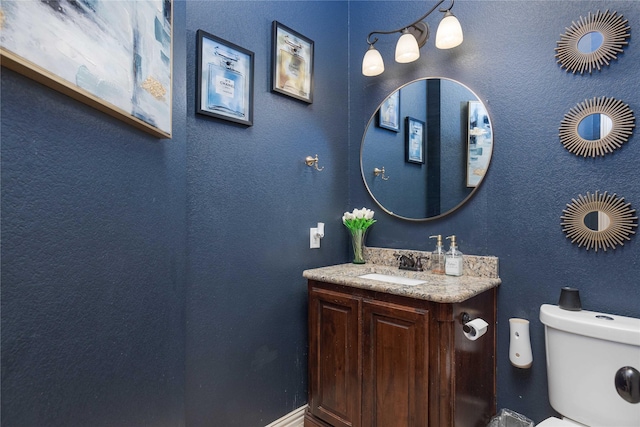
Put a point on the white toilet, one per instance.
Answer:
(593, 361)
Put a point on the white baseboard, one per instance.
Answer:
(292, 419)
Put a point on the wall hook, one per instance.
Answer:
(377, 172)
(313, 161)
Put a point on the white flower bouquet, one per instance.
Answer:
(359, 219)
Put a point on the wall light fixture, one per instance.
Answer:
(414, 36)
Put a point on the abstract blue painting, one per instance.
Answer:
(113, 55)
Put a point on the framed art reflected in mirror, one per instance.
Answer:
(414, 141)
(389, 112)
(479, 143)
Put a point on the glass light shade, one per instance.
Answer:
(407, 49)
(449, 32)
(372, 63)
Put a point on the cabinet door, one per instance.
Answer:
(334, 366)
(395, 366)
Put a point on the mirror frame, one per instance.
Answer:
(463, 201)
(623, 122)
(615, 32)
(621, 227)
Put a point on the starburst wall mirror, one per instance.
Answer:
(592, 42)
(597, 126)
(599, 221)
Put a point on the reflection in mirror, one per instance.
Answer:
(590, 42)
(458, 148)
(595, 126)
(597, 221)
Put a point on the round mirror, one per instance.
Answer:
(595, 126)
(597, 221)
(433, 139)
(590, 42)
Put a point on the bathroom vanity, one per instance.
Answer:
(384, 353)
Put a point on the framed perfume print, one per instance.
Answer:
(389, 113)
(113, 56)
(224, 82)
(291, 63)
(414, 141)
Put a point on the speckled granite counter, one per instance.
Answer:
(480, 274)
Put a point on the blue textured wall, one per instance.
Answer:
(508, 60)
(251, 203)
(93, 261)
(127, 261)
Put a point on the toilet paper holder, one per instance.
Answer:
(468, 326)
(464, 319)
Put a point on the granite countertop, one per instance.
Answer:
(481, 274)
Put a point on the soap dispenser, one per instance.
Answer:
(437, 256)
(453, 259)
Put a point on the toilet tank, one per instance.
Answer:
(585, 350)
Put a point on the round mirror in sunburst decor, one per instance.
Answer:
(599, 221)
(592, 42)
(596, 127)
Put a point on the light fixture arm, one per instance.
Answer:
(418, 28)
(449, 8)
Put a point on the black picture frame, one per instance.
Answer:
(389, 113)
(224, 81)
(414, 141)
(292, 62)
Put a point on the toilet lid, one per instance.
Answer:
(556, 422)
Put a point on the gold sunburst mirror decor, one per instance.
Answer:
(592, 42)
(599, 221)
(597, 126)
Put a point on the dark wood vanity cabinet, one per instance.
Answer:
(383, 360)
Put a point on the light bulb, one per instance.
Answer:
(449, 32)
(372, 63)
(407, 49)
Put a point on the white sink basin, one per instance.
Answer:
(392, 279)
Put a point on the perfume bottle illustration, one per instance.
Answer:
(293, 68)
(226, 84)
